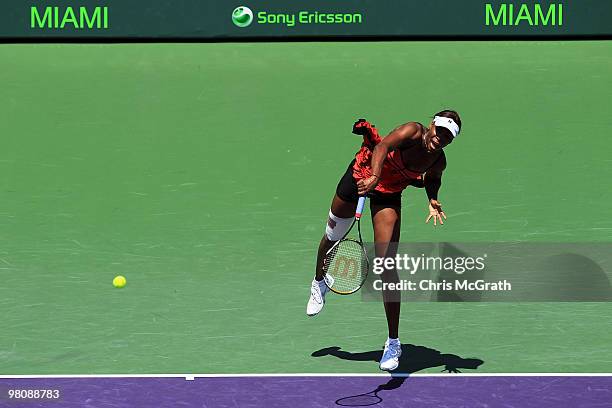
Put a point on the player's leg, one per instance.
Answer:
(339, 221)
(340, 218)
(386, 219)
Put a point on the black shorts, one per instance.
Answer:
(347, 190)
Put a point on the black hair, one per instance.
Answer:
(451, 114)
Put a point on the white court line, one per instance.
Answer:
(191, 377)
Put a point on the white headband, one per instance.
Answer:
(447, 123)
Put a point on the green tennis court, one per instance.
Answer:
(204, 172)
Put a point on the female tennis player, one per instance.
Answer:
(411, 154)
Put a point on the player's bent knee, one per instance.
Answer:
(337, 227)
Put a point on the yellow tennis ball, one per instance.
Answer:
(119, 281)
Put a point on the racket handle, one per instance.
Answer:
(360, 205)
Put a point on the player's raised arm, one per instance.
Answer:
(433, 182)
(394, 140)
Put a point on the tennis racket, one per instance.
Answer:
(346, 263)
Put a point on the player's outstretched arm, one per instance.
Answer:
(433, 182)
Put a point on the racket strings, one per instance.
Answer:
(347, 264)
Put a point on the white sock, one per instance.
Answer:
(390, 340)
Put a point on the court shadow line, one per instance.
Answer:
(413, 359)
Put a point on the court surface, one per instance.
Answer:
(203, 173)
(319, 391)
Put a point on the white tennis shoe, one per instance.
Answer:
(318, 290)
(391, 355)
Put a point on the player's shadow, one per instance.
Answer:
(413, 359)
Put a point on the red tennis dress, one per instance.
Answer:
(395, 177)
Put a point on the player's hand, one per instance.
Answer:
(435, 212)
(364, 186)
(360, 127)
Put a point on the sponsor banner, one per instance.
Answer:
(261, 19)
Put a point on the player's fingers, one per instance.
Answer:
(435, 220)
(428, 218)
(360, 187)
(444, 215)
(440, 218)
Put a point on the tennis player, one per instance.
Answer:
(411, 154)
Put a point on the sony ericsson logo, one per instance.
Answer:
(242, 16)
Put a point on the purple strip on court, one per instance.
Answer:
(302, 392)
